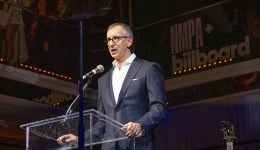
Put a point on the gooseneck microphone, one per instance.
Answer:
(98, 69)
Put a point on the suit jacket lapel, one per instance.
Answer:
(135, 66)
(111, 92)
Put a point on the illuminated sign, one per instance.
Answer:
(187, 44)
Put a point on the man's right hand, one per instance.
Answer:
(68, 138)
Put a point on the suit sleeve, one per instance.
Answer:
(157, 99)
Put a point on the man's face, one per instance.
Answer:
(119, 50)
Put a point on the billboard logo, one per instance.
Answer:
(188, 51)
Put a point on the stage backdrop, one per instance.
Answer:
(202, 38)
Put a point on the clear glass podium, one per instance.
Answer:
(42, 135)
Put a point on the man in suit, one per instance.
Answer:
(131, 92)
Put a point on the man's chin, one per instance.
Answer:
(114, 56)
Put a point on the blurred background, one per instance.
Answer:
(208, 50)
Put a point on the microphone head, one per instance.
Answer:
(100, 68)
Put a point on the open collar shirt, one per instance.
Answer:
(118, 76)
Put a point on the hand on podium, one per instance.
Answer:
(68, 138)
(132, 129)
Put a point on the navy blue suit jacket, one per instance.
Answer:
(142, 99)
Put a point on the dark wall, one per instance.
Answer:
(198, 126)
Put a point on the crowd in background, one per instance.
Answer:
(35, 35)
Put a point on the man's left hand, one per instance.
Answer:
(132, 129)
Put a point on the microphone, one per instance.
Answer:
(98, 69)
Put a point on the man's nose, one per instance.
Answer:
(110, 43)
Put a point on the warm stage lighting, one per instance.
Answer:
(203, 66)
(45, 71)
(28, 67)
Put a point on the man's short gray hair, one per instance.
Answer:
(126, 27)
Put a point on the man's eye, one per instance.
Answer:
(115, 38)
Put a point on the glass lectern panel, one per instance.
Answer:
(42, 135)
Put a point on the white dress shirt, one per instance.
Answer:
(118, 76)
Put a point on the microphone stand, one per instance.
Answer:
(72, 105)
(81, 125)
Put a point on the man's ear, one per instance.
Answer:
(129, 41)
